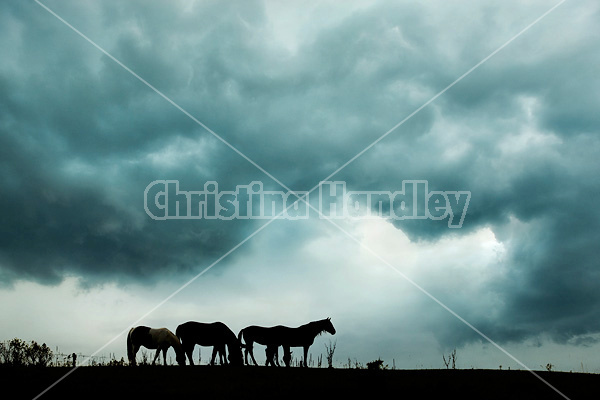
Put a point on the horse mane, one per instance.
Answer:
(315, 325)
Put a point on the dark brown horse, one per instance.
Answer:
(215, 334)
(272, 337)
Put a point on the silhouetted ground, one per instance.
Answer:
(261, 382)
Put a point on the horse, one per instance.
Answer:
(215, 334)
(302, 336)
(151, 338)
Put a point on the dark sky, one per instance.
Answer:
(300, 90)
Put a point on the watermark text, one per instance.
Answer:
(163, 199)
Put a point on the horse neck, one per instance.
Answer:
(174, 341)
(232, 346)
(231, 339)
(314, 327)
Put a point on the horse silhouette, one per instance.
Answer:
(215, 334)
(275, 336)
(153, 338)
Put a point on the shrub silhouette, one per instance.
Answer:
(116, 363)
(451, 360)
(17, 353)
(376, 365)
(330, 350)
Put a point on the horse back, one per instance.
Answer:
(292, 336)
(277, 335)
(263, 335)
(205, 334)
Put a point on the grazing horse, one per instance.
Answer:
(215, 334)
(272, 337)
(159, 339)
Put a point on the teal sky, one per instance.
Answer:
(300, 89)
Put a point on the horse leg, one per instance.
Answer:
(304, 362)
(223, 355)
(214, 355)
(252, 355)
(135, 350)
(267, 356)
(219, 353)
(276, 355)
(272, 354)
(189, 350)
(165, 355)
(287, 355)
(250, 349)
(156, 356)
(246, 352)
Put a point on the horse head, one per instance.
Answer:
(235, 355)
(179, 353)
(180, 357)
(329, 326)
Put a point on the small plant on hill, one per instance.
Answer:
(330, 350)
(144, 358)
(451, 361)
(116, 363)
(376, 365)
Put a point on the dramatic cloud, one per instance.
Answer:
(300, 90)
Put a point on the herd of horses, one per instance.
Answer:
(226, 345)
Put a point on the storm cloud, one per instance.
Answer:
(300, 90)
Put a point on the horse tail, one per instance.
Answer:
(130, 347)
(240, 335)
